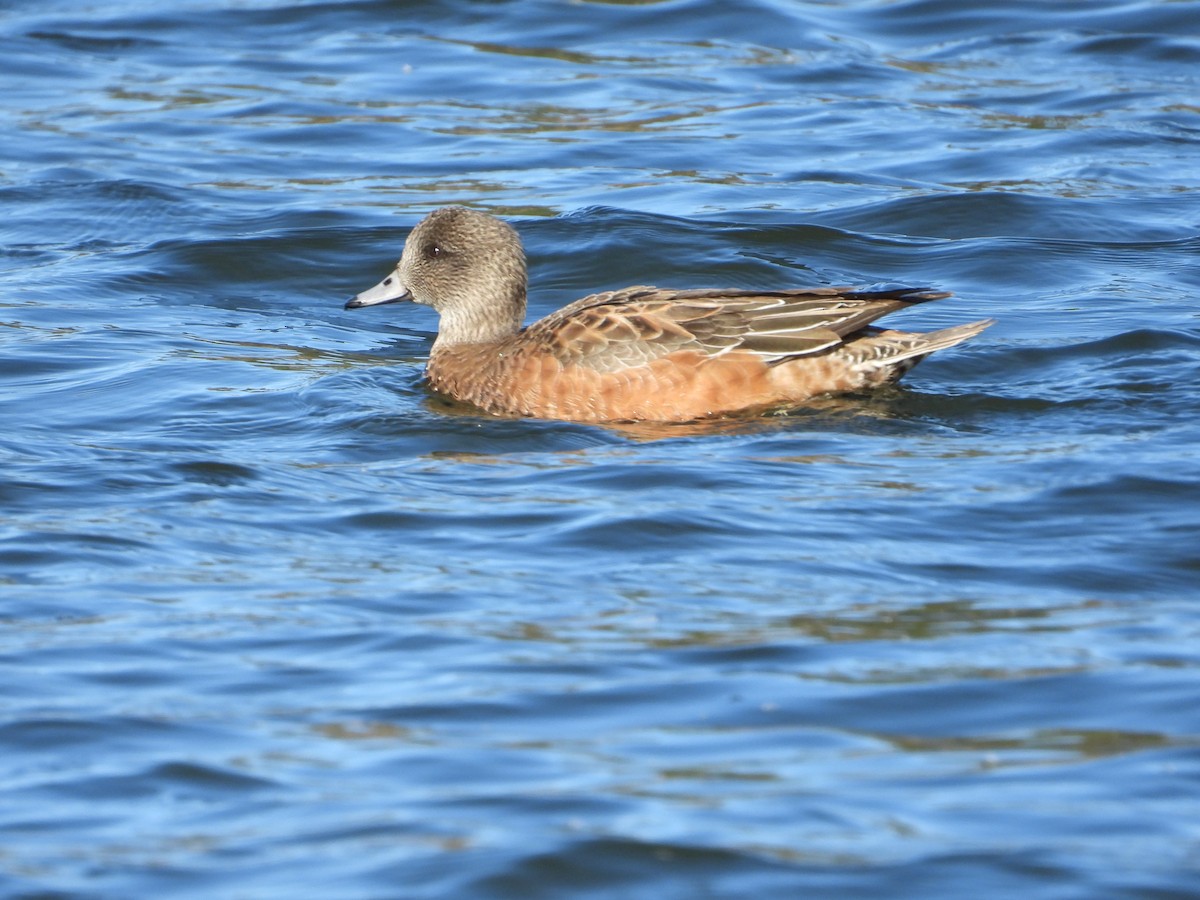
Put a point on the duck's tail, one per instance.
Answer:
(918, 345)
(890, 354)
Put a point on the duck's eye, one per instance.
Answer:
(432, 251)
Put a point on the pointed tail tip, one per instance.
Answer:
(948, 337)
(978, 325)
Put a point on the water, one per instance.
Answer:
(277, 622)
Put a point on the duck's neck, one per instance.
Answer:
(481, 321)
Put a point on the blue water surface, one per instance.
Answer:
(278, 622)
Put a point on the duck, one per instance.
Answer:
(640, 354)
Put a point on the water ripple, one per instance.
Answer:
(279, 620)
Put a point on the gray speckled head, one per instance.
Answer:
(467, 265)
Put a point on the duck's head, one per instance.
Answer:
(467, 265)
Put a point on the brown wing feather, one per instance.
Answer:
(616, 330)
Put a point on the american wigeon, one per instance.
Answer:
(641, 353)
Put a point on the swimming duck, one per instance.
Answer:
(639, 353)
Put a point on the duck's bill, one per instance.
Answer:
(390, 290)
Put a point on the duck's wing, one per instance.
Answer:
(616, 330)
